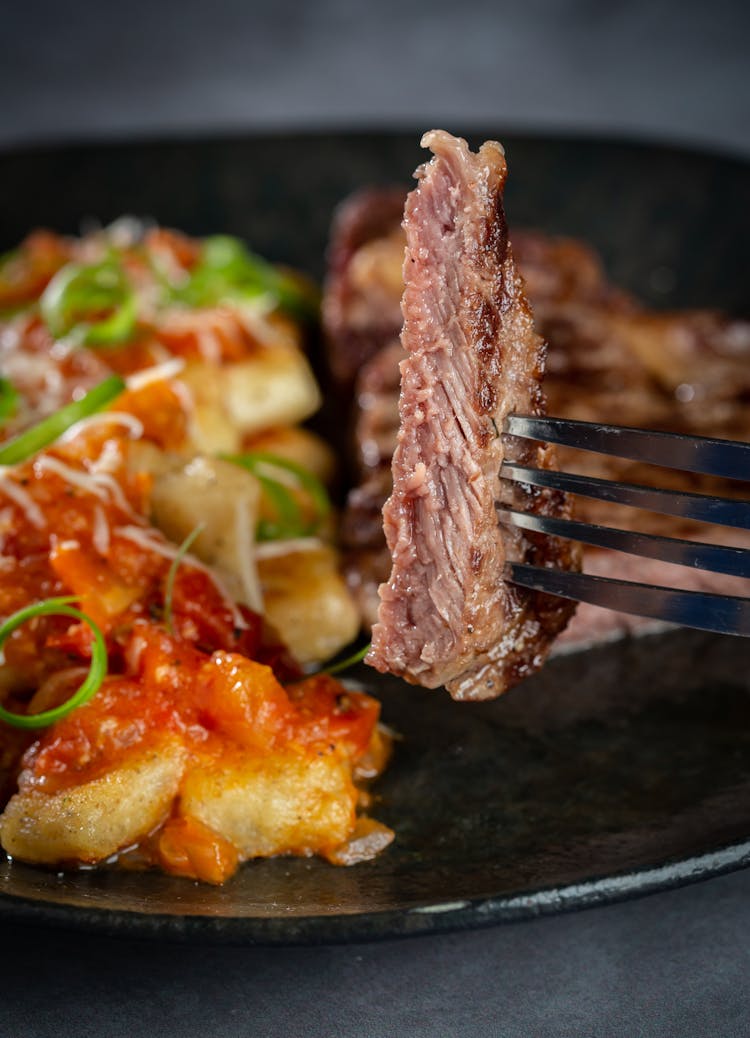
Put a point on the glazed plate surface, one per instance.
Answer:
(617, 771)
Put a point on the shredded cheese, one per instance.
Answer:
(76, 477)
(100, 535)
(109, 460)
(146, 538)
(108, 482)
(248, 570)
(274, 549)
(100, 484)
(131, 423)
(23, 499)
(157, 373)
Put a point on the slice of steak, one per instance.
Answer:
(447, 616)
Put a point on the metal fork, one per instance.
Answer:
(727, 614)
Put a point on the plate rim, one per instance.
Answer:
(365, 927)
(222, 135)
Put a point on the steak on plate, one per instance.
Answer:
(685, 371)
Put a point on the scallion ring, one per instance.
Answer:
(289, 522)
(95, 303)
(307, 481)
(177, 561)
(34, 439)
(94, 678)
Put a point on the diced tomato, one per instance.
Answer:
(187, 847)
(326, 712)
(96, 737)
(200, 611)
(243, 700)
(161, 410)
(101, 593)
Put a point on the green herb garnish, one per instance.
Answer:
(273, 472)
(34, 439)
(228, 272)
(348, 661)
(177, 561)
(94, 678)
(96, 304)
(8, 399)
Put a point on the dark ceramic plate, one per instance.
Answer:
(617, 771)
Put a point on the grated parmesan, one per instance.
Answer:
(144, 538)
(157, 373)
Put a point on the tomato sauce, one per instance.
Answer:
(198, 668)
(212, 676)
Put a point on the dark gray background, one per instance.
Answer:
(666, 69)
(676, 964)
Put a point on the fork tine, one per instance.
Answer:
(724, 614)
(703, 507)
(726, 458)
(718, 558)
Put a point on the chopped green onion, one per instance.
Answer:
(95, 303)
(349, 661)
(305, 478)
(94, 678)
(227, 270)
(289, 522)
(8, 399)
(177, 561)
(27, 443)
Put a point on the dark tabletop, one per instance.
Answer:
(673, 964)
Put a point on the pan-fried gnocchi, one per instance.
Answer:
(275, 387)
(168, 565)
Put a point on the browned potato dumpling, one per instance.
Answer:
(284, 802)
(232, 401)
(225, 499)
(92, 821)
(306, 599)
(304, 447)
